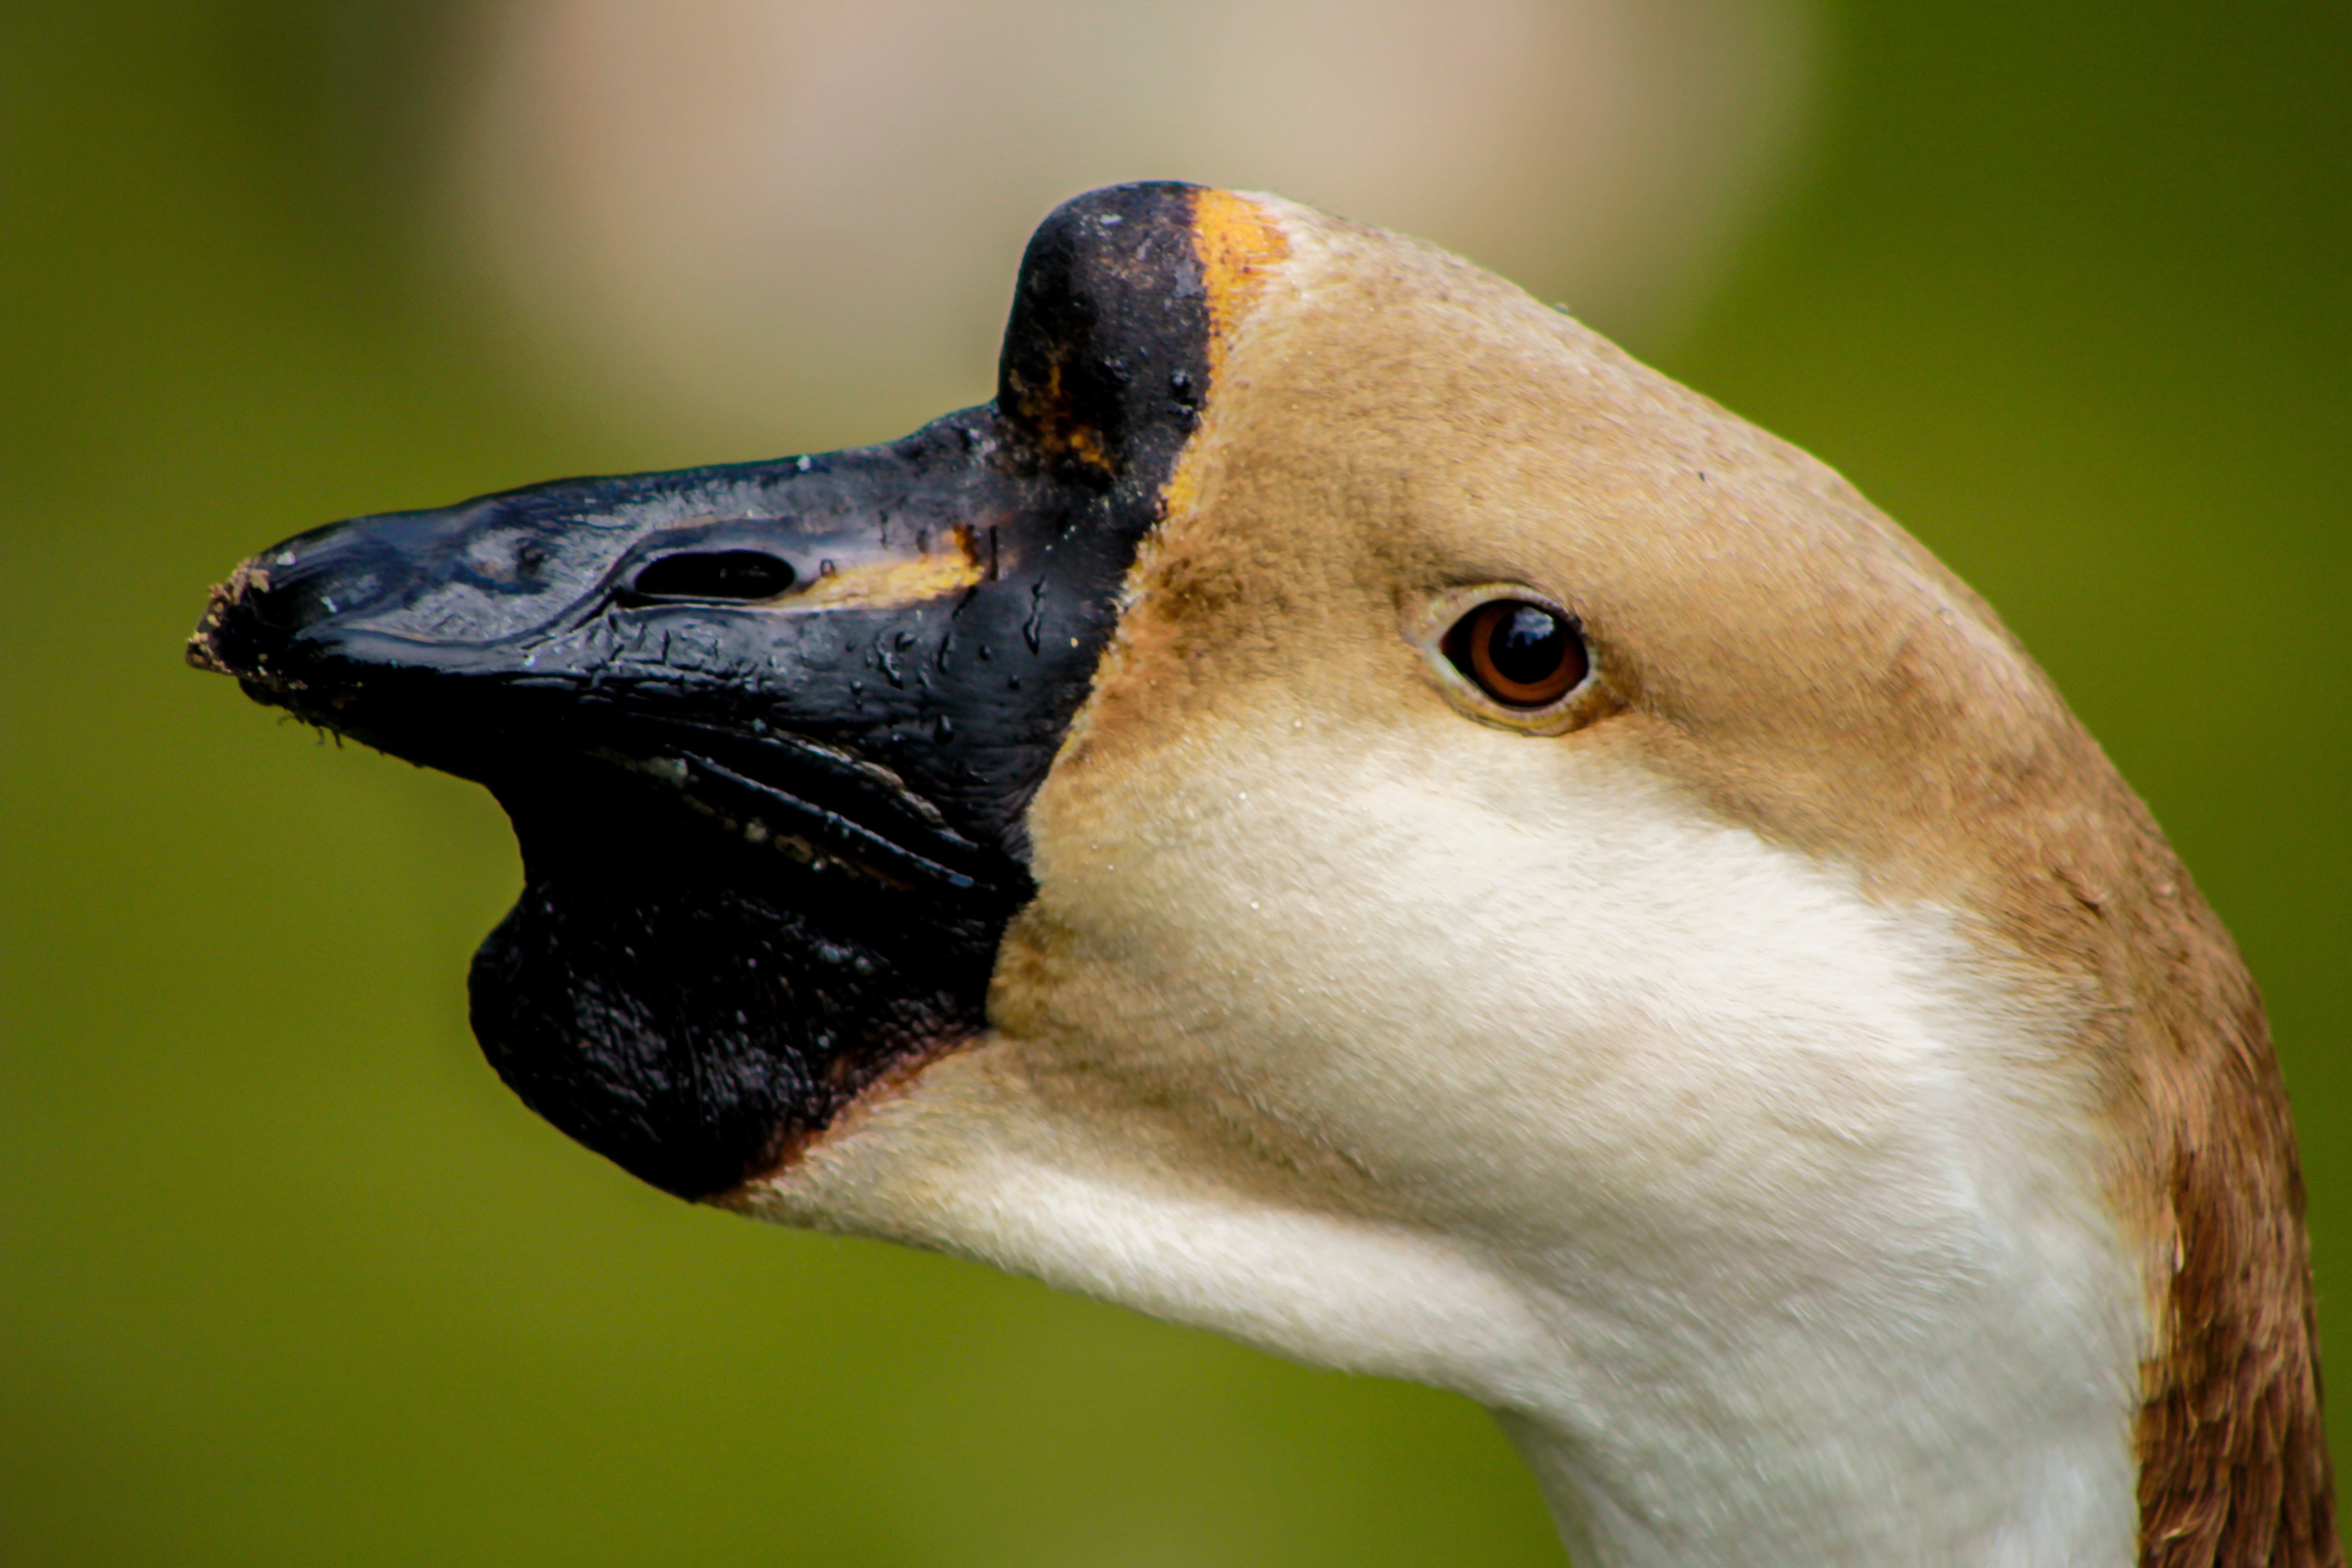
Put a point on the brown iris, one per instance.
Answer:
(1522, 654)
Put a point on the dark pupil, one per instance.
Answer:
(1529, 646)
(714, 574)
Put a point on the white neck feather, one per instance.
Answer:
(1786, 1254)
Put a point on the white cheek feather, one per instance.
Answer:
(1763, 1212)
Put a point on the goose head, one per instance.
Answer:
(1341, 809)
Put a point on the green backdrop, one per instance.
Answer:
(289, 1278)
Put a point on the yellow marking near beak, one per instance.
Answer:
(887, 584)
(1238, 243)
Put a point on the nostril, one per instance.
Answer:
(741, 575)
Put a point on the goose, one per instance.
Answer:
(1342, 810)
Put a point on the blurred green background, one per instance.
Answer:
(289, 1278)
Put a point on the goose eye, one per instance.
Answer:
(1521, 655)
(737, 574)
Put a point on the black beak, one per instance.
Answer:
(766, 731)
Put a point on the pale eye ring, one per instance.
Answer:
(1522, 654)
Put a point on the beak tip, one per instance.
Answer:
(200, 655)
(204, 650)
(224, 640)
